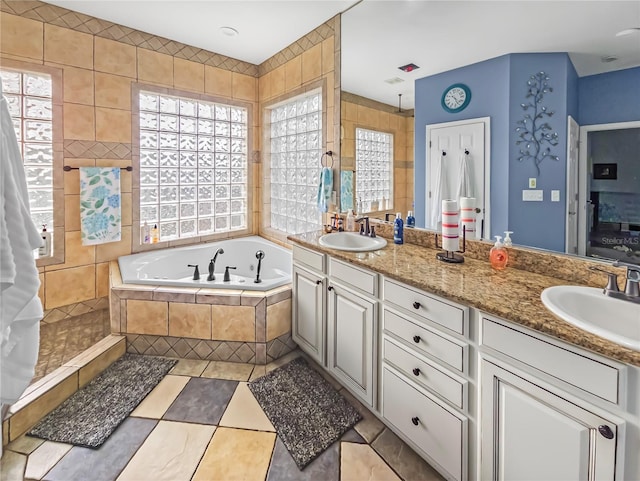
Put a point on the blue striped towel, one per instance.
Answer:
(324, 189)
(100, 213)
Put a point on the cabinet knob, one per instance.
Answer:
(416, 371)
(415, 421)
(330, 288)
(416, 305)
(605, 431)
(318, 282)
(416, 339)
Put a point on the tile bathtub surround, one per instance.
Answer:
(512, 294)
(243, 445)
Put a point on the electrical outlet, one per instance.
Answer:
(555, 196)
(532, 182)
(532, 195)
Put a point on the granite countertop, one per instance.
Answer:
(511, 294)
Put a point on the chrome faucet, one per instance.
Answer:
(631, 289)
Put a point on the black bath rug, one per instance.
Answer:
(91, 414)
(307, 412)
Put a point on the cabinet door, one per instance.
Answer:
(531, 433)
(351, 324)
(308, 324)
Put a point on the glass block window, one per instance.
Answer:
(193, 166)
(29, 96)
(374, 169)
(296, 149)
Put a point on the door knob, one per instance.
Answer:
(416, 339)
(416, 371)
(415, 421)
(330, 288)
(605, 431)
(318, 282)
(416, 305)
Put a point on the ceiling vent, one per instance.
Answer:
(394, 80)
(410, 67)
(608, 58)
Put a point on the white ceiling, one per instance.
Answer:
(380, 35)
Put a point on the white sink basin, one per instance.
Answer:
(589, 309)
(352, 241)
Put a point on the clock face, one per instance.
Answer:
(456, 98)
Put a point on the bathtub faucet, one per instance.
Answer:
(212, 265)
(259, 256)
(227, 277)
(196, 272)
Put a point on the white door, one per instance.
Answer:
(308, 313)
(573, 143)
(530, 433)
(449, 144)
(350, 341)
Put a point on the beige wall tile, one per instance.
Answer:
(233, 323)
(69, 286)
(71, 212)
(21, 36)
(190, 320)
(113, 91)
(312, 64)
(113, 125)
(264, 87)
(236, 454)
(115, 57)
(102, 279)
(78, 85)
(79, 122)
(155, 67)
(68, 47)
(351, 112)
(243, 87)
(277, 81)
(113, 250)
(217, 81)
(147, 317)
(293, 73)
(328, 55)
(125, 206)
(278, 319)
(188, 75)
(75, 253)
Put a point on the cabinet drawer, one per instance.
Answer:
(593, 376)
(447, 315)
(310, 258)
(360, 279)
(424, 340)
(425, 373)
(433, 429)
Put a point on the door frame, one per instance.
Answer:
(487, 166)
(583, 185)
(569, 249)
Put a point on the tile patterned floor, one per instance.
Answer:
(63, 339)
(202, 423)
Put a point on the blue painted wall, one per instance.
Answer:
(609, 97)
(498, 88)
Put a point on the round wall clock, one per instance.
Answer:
(456, 98)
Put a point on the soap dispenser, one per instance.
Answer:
(45, 249)
(411, 220)
(507, 238)
(398, 229)
(498, 255)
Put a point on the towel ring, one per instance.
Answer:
(329, 154)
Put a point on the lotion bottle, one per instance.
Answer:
(351, 224)
(498, 255)
(398, 229)
(45, 249)
(155, 234)
(411, 220)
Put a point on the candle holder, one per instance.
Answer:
(452, 257)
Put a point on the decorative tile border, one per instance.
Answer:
(79, 22)
(89, 149)
(280, 346)
(71, 310)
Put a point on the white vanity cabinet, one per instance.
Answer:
(352, 322)
(548, 411)
(425, 375)
(308, 316)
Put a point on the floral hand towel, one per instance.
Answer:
(100, 214)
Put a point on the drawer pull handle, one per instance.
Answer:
(416, 371)
(416, 305)
(605, 431)
(416, 339)
(415, 421)
(330, 288)
(318, 282)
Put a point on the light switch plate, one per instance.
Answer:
(532, 195)
(532, 182)
(555, 196)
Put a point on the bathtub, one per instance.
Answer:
(169, 267)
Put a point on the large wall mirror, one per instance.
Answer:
(589, 54)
